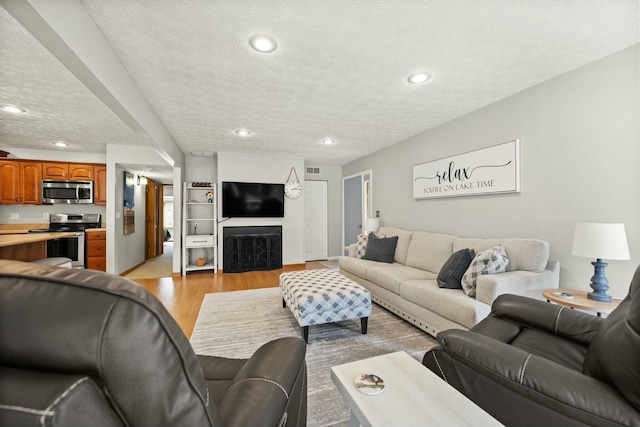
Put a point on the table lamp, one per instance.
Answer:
(600, 241)
(372, 225)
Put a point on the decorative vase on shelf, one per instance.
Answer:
(200, 262)
(209, 197)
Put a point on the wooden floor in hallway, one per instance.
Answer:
(183, 295)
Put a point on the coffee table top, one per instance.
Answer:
(413, 395)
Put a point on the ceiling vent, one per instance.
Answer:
(313, 171)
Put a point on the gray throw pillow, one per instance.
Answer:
(452, 271)
(380, 249)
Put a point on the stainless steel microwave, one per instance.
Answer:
(67, 192)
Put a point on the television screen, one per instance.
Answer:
(252, 200)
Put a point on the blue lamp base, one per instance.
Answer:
(599, 283)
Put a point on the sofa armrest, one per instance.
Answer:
(551, 318)
(351, 249)
(564, 390)
(519, 282)
(261, 391)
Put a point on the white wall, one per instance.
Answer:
(127, 251)
(333, 175)
(580, 151)
(233, 167)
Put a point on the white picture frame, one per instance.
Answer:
(490, 170)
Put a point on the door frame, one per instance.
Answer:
(364, 198)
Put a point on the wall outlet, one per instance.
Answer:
(14, 216)
(117, 215)
(45, 216)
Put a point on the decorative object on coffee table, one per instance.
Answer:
(600, 241)
(324, 296)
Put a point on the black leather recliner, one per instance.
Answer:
(85, 348)
(532, 363)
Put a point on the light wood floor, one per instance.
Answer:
(182, 295)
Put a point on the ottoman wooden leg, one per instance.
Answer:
(305, 334)
(284, 303)
(363, 324)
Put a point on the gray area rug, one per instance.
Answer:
(235, 324)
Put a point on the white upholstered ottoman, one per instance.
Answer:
(324, 296)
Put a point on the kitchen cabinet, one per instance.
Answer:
(55, 170)
(20, 182)
(100, 184)
(80, 172)
(96, 250)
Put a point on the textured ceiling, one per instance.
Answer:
(58, 106)
(339, 71)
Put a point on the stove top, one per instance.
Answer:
(70, 223)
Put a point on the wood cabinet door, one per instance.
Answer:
(30, 182)
(100, 184)
(9, 182)
(80, 172)
(55, 170)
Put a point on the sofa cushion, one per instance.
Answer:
(523, 254)
(429, 251)
(390, 276)
(356, 266)
(451, 304)
(452, 271)
(404, 238)
(381, 249)
(490, 261)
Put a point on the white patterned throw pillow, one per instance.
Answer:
(361, 246)
(490, 261)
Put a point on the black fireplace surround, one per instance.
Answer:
(251, 248)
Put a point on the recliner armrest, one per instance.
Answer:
(555, 319)
(555, 386)
(263, 387)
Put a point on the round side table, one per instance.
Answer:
(580, 300)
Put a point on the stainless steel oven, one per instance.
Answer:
(70, 246)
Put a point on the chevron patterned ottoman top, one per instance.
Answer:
(323, 296)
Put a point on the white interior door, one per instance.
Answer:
(315, 212)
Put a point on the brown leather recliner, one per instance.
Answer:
(84, 348)
(532, 363)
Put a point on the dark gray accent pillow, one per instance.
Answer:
(452, 271)
(381, 249)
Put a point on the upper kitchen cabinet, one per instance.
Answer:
(80, 172)
(20, 182)
(55, 170)
(100, 184)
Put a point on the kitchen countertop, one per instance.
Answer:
(20, 239)
(89, 230)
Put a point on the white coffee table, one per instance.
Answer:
(413, 395)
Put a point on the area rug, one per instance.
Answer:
(235, 324)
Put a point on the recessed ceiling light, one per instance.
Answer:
(243, 132)
(417, 78)
(60, 144)
(328, 141)
(263, 43)
(12, 109)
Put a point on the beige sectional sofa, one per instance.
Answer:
(408, 287)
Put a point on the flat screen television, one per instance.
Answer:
(252, 200)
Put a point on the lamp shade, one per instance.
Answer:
(372, 225)
(600, 241)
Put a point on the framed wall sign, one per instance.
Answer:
(129, 213)
(489, 170)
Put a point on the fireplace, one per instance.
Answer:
(251, 248)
